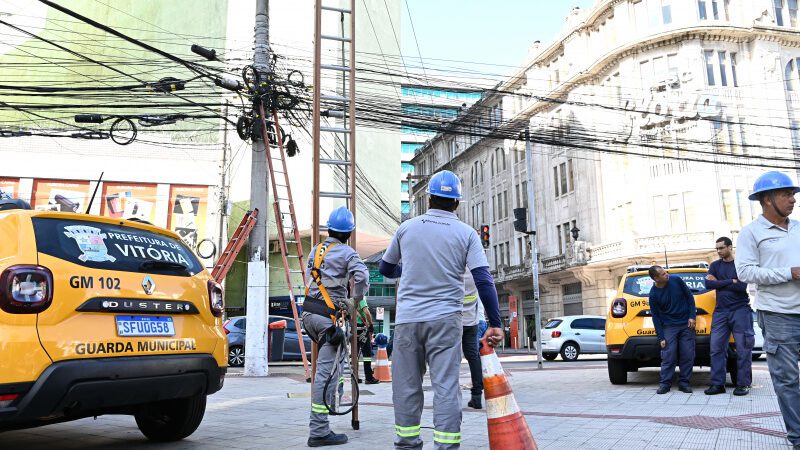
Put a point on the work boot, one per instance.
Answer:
(663, 389)
(685, 389)
(475, 402)
(373, 380)
(331, 439)
(714, 390)
(741, 390)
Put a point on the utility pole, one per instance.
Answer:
(534, 251)
(223, 198)
(256, 345)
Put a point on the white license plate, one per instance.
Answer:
(145, 326)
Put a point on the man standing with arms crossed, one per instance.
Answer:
(768, 254)
(674, 312)
(434, 249)
(731, 315)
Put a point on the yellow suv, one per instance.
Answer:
(631, 340)
(105, 316)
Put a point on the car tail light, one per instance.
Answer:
(225, 326)
(615, 350)
(555, 334)
(216, 298)
(7, 399)
(619, 308)
(26, 289)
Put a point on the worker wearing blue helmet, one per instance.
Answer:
(428, 253)
(768, 254)
(328, 283)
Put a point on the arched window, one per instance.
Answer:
(493, 167)
(791, 76)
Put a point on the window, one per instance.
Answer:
(406, 167)
(560, 239)
(733, 70)
(677, 220)
(572, 296)
(744, 207)
(778, 4)
(709, 58)
(729, 210)
(582, 324)
(690, 211)
(666, 11)
(791, 74)
(562, 168)
(723, 56)
(505, 204)
(570, 176)
(404, 186)
(524, 194)
(701, 6)
(793, 13)
(555, 179)
(405, 208)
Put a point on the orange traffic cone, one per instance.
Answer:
(382, 372)
(508, 429)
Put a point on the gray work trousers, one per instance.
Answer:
(315, 325)
(782, 342)
(437, 344)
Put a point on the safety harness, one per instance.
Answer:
(324, 306)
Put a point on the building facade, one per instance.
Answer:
(649, 122)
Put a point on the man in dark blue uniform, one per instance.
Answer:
(674, 313)
(731, 315)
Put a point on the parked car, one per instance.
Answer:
(572, 335)
(105, 316)
(631, 338)
(758, 347)
(235, 328)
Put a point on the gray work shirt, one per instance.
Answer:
(765, 255)
(471, 301)
(340, 264)
(434, 248)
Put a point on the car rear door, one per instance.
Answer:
(588, 337)
(119, 291)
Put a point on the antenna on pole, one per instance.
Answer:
(91, 200)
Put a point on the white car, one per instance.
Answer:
(572, 335)
(758, 347)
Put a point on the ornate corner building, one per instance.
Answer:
(649, 121)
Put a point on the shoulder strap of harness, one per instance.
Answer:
(319, 255)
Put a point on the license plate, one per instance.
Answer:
(647, 322)
(145, 326)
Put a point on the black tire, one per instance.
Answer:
(236, 356)
(570, 351)
(550, 356)
(617, 371)
(171, 420)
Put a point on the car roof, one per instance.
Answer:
(93, 218)
(581, 316)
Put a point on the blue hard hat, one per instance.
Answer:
(445, 184)
(381, 340)
(771, 181)
(341, 220)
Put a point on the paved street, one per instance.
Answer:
(568, 406)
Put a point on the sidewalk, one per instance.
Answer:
(567, 407)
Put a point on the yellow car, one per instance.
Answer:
(105, 316)
(631, 340)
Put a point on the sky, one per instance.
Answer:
(494, 35)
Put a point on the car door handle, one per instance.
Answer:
(577, 334)
(602, 335)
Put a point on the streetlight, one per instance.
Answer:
(575, 230)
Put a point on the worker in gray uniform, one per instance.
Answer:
(470, 340)
(331, 267)
(428, 253)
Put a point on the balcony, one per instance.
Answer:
(698, 241)
(554, 263)
(793, 100)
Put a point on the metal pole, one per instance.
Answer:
(534, 252)
(257, 345)
(315, 117)
(223, 198)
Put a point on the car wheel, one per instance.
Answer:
(617, 371)
(549, 356)
(570, 351)
(757, 356)
(171, 420)
(236, 356)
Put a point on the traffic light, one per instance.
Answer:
(485, 236)
(521, 220)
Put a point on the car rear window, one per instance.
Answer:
(553, 323)
(640, 285)
(114, 247)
